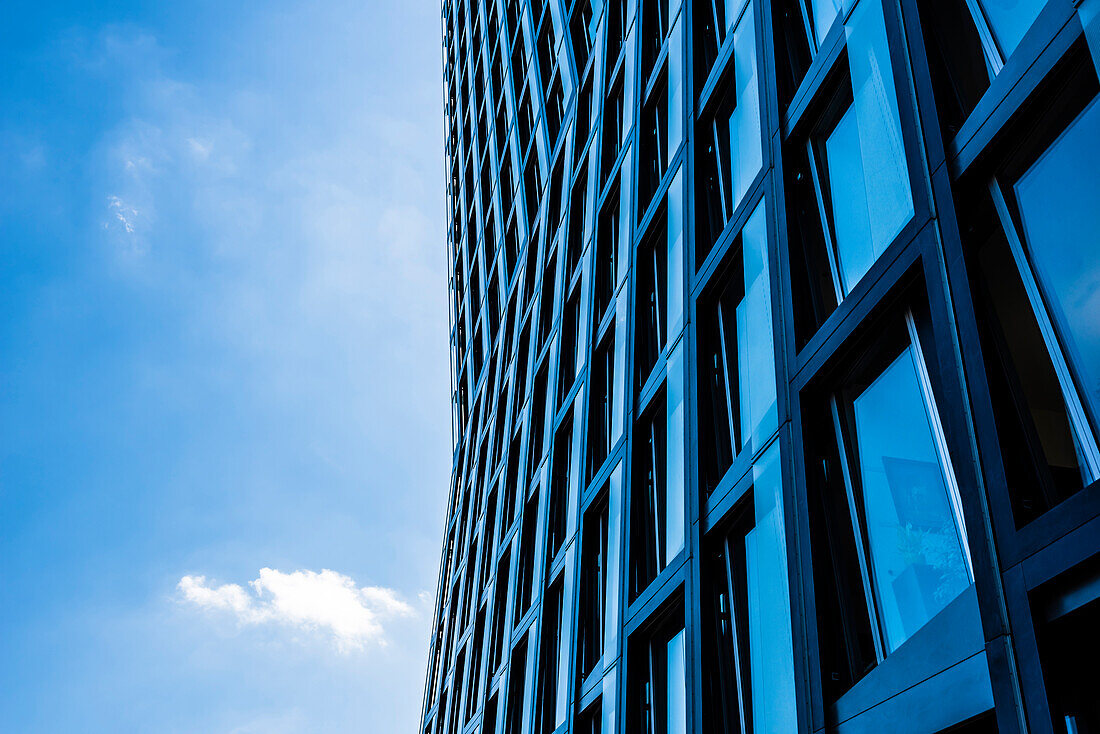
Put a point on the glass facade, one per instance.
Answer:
(775, 338)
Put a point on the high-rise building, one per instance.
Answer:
(776, 366)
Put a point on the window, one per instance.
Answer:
(714, 19)
(473, 688)
(606, 254)
(593, 587)
(863, 183)
(737, 400)
(547, 302)
(969, 43)
(1035, 278)
(656, 17)
(590, 720)
(517, 686)
(748, 641)
(1055, 248)
(612, 129)
(601, 402)
(572, 346)
(498, 635)
(657, 701)
(583, 117)
(538, 421)
(525, 575)
(651, 301)
(890, 514)
(456, 690)
(554, 688)
(1044, 454)
(854, 173)
(729, 148)
(575, 237)
(1068, 624)
(560, 489)
(657, 496)
(654, 144)
(489, 720)
(616, 26)
(582, 32)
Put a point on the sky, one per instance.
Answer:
(224, 420)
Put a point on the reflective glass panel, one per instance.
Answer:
(915, 552)
(1089, 12)
(824, 12)
(1010, 19)
(756, 356)
(1061, 220)
(677, 686)
(868, 175)
(675, 443)
(771, 651)
(746, 155)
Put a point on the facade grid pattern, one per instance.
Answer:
(775, 339)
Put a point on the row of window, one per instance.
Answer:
(614, 337)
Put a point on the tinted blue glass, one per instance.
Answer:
(674, 470)
(676, 722)
(1010, 19)
(746, 156)
(848, 193)
(868, 176)
(755, 351)
(771, 652)
(1089, 12)
(1058, 199)
(824, 12)
(915, 551)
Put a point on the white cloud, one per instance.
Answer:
(327, 602)
(123, 213)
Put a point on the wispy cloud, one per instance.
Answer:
(326, 602)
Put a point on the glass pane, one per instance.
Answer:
(612, 575)
(825, 12)
(1089, 12)
(1010, 19)
(675, 214)
(675, 442)
(771, 650)
(756, 355)
(675, 93)
(915, 553)
(1061, 220)
(848, 193)
(871, 154)
(676, 722)
(746, 157)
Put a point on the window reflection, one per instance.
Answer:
(736, 356)
(658, 704)
(868, 181)
(915, 551)
(730, 151)
(1057, 198)
(1008, 20)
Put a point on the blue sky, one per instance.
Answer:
(224, 422)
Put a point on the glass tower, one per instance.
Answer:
(775, 336)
